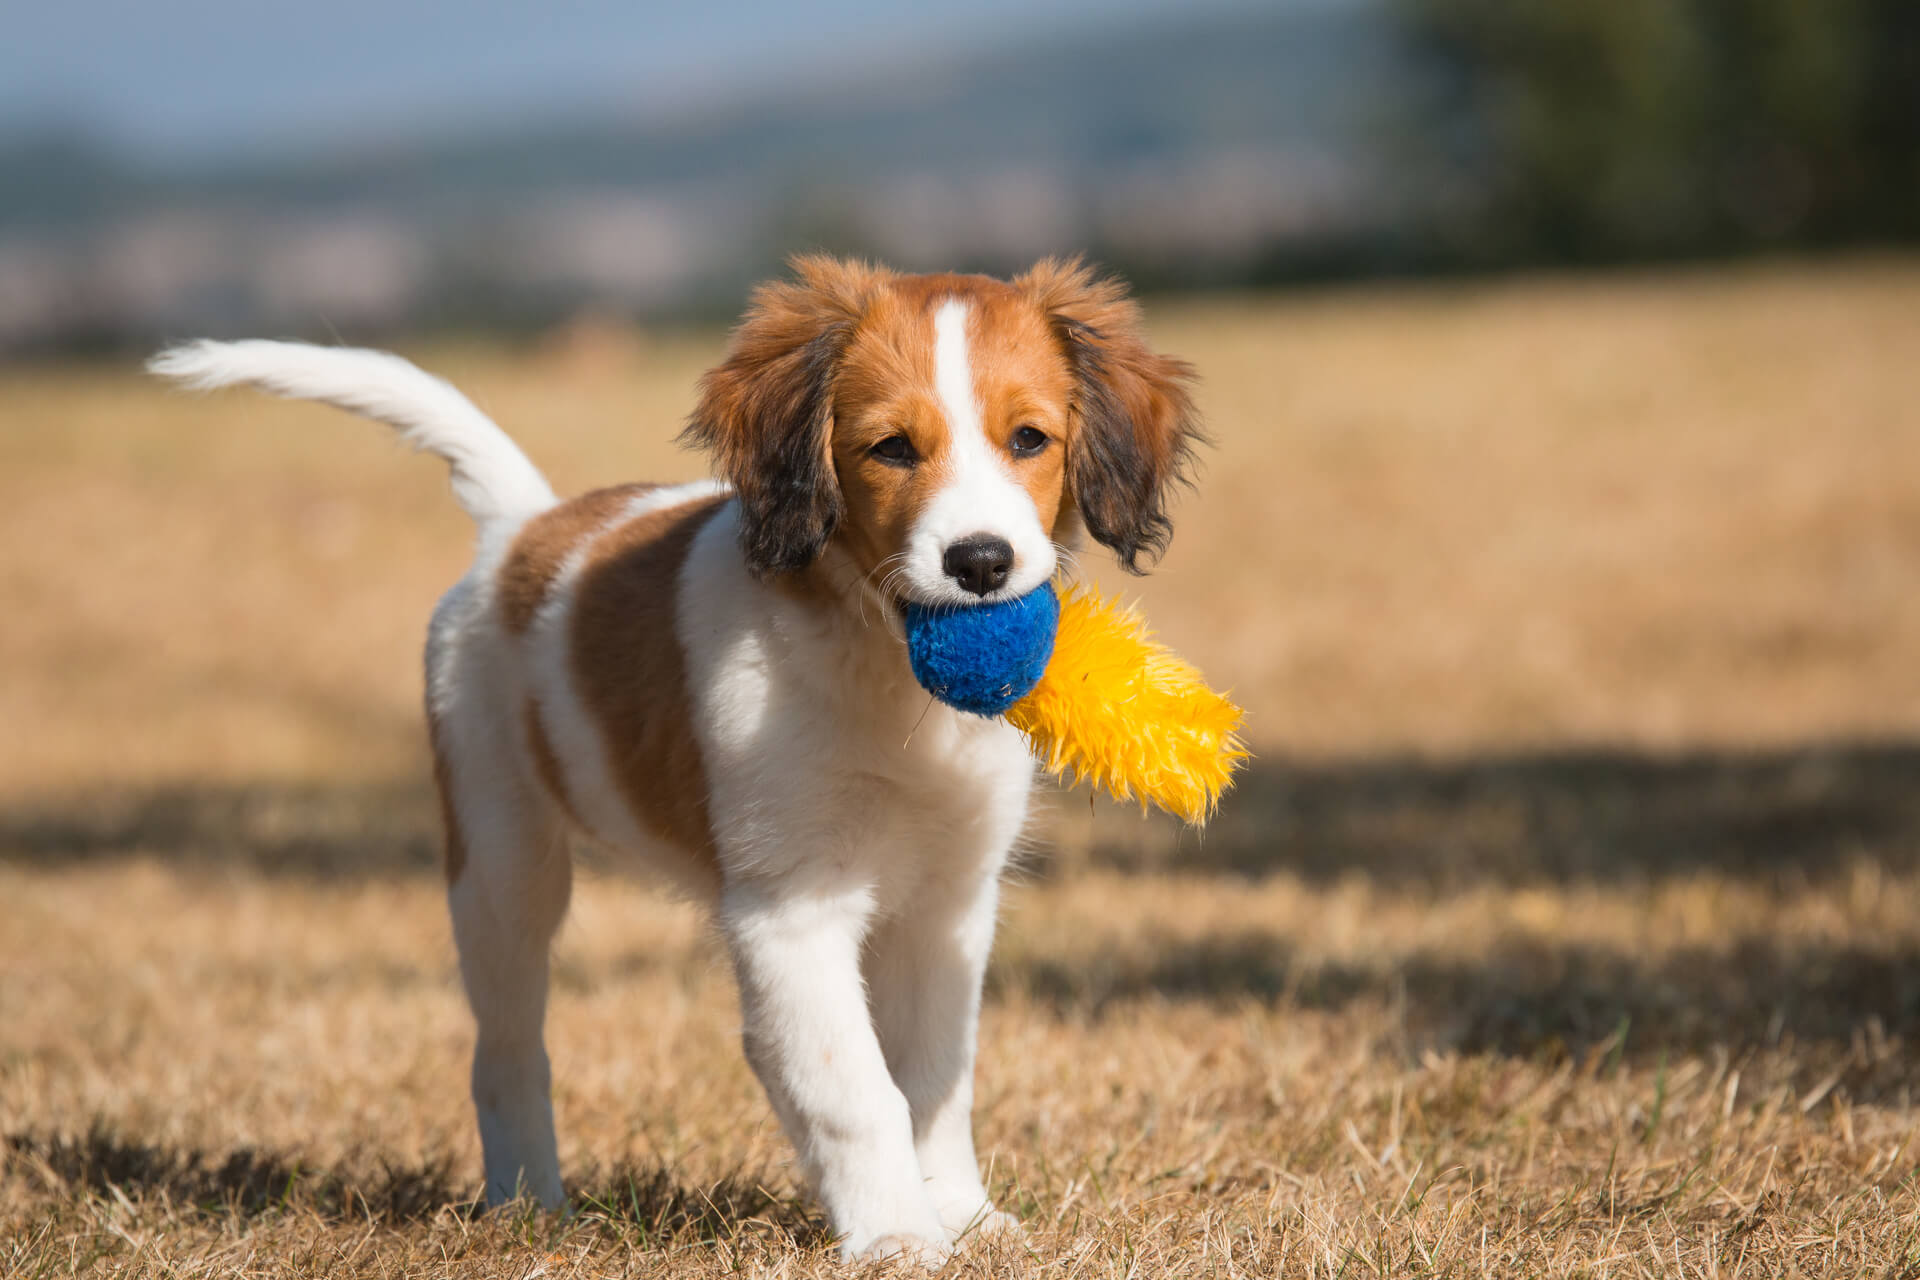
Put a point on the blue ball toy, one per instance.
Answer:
(983, 658)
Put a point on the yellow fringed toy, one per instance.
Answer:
(1095, 694)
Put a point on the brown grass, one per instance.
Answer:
(1569, 924)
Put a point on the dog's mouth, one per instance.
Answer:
(901, 597)
(905, 604)
(902, 603)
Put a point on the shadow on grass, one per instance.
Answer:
(248, 1184)
(1558, 817)
(310, 829)
(1789, 818)
(244, 1183)
(652, 1201)
(1603, 816)
(1834, 1002)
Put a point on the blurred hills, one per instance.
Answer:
(1188, 151)
(1303, 139)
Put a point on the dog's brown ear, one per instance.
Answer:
(766, 411)
(1135, 427)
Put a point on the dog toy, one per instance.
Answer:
(1096, 696)
(985, 658)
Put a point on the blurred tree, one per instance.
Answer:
(1584, 130)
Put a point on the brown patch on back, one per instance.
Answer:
(631, 674)
(543, 545)
(455, 852)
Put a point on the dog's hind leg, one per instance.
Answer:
(504, 918)
(509, 878)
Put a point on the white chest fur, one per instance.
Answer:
(816, 740)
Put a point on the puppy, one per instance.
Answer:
(711, 678)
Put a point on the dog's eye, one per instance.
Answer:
(896, 451)
(1028, 440)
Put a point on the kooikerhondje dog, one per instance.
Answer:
(711, 677)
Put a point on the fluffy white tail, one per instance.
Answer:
(492, 479)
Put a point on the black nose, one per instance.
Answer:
(980, 563)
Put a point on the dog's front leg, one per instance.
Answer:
(924, 969)
(811, 1041)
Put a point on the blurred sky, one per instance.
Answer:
(194, 78)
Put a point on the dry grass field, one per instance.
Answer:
(1567, 924)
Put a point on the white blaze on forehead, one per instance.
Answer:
(953, 379)
(981, 495)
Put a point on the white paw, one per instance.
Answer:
(967, 1214)
(999, 1223)
(901, 1247)
(986, 1223)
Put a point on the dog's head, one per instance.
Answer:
(949, 432)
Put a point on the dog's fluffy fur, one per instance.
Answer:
(710, 677)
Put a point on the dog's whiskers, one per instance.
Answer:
(865, 588)
(883, 596)
(1068, 558)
